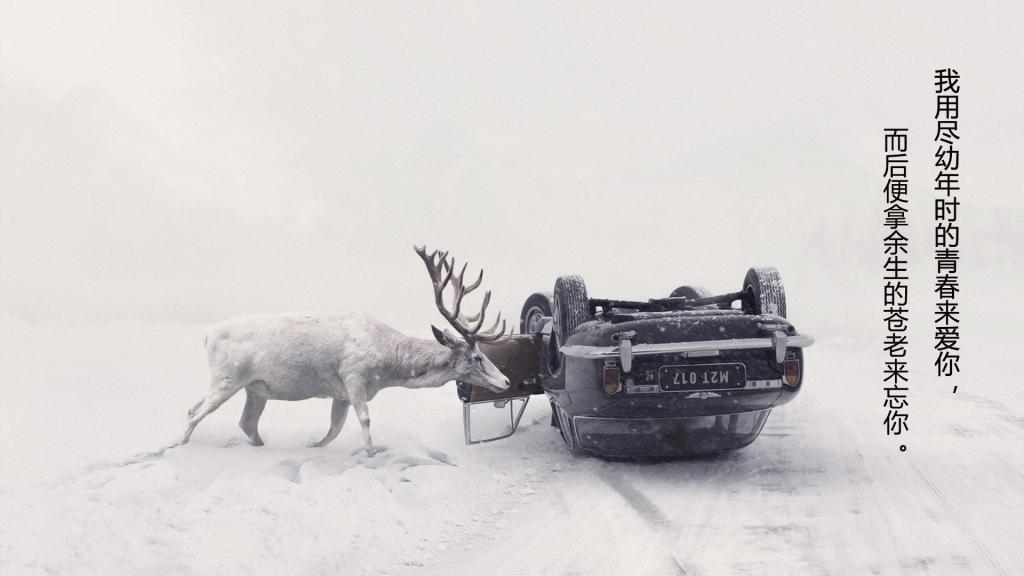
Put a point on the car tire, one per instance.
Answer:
(688, 292)
(763, 292)
(538, 305)
(571, 307)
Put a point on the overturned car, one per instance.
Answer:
(687, 374)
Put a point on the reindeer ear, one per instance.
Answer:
(446, 338)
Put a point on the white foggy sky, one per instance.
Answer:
(186, 161)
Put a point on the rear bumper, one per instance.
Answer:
(667, 437)
(780, 341)
(641, 395)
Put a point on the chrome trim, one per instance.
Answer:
(762, 384)
(797, 341)
(781, 342)
(643, 389)
(626, 355)
(625, 349)
(514, 418)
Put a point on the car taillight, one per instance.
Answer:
(612, 384)
(791, 373)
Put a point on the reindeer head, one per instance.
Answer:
(470, 364)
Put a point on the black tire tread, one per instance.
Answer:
(768, 293)
(572, 306)
(690, 292)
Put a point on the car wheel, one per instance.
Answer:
(536, 307)
(763, 292)
(571, 307)
(688, 292)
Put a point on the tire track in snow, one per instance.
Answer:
(659, 523)
(647, 510)
(960, 517)
(867, 501)
(696, 536)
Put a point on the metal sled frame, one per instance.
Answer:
(513, 415)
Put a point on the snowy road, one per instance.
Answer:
(822, 491)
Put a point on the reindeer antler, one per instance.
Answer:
(441, 271)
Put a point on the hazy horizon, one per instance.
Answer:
(163, 163)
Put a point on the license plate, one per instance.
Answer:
(702, 377)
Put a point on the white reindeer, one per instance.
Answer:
(347, 357)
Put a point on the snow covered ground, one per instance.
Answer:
(822, 491)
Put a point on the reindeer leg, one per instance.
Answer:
(363, 413)
(254, 405)
(339, 410)
(218, 394)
